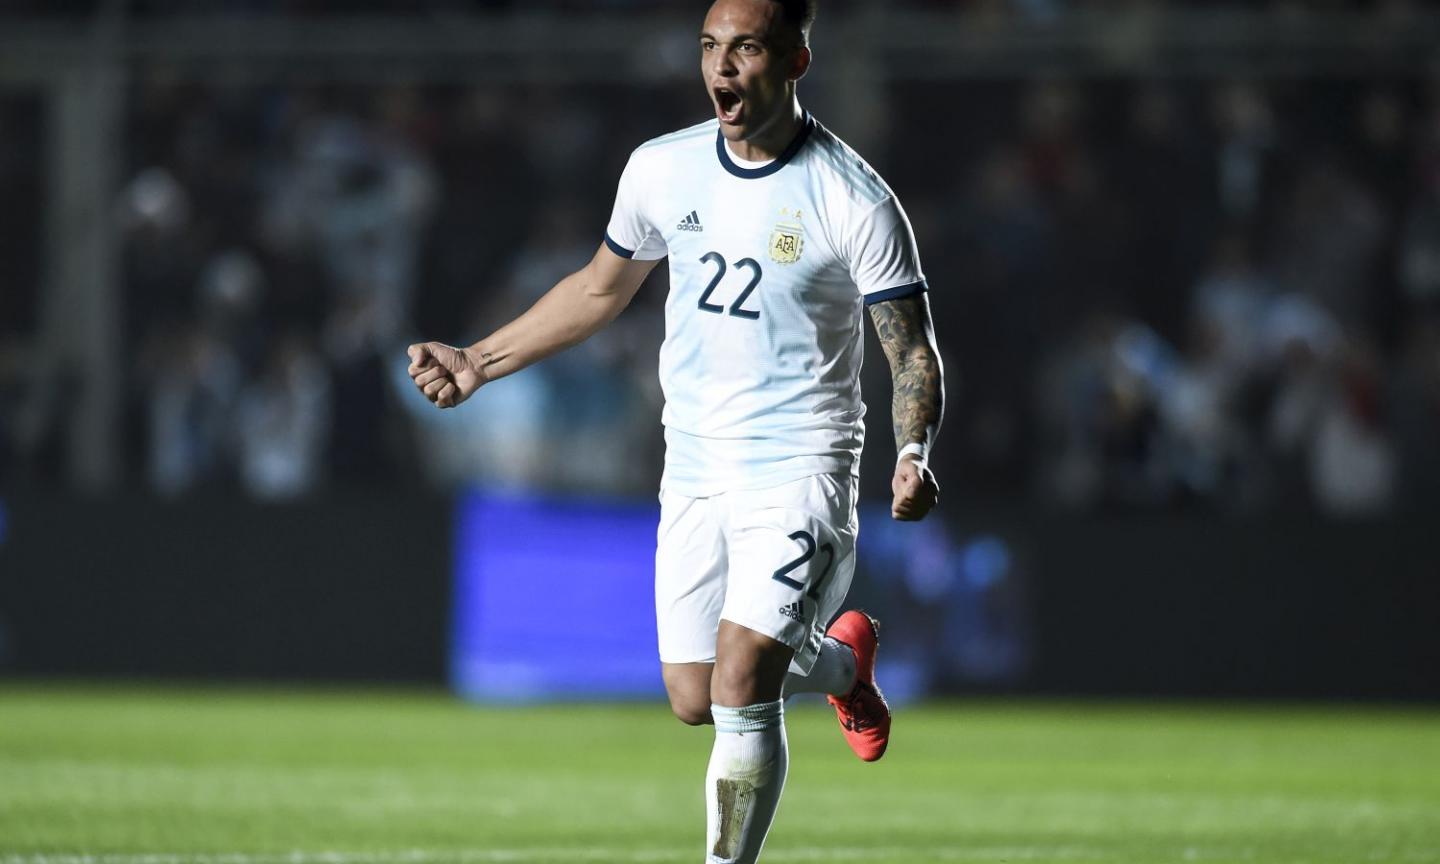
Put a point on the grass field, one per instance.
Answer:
(125, 776)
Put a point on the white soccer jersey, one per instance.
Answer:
(770, 268)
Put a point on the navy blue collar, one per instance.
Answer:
(723, 152)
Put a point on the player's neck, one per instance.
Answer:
(771, 139)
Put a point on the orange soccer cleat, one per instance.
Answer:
(864, 716)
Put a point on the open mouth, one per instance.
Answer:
(728, 104)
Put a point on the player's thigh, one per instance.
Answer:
(690, 573)
(792, 557)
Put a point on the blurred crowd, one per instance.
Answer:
(1216, 294)
(1223, 296)
(284, 246)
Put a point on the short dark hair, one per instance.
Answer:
(799, 15)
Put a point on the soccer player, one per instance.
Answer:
(778, 235)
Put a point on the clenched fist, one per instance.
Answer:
(445, 374)
(915, 490)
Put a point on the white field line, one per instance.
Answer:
(568, 854)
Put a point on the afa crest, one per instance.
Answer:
(786, 243)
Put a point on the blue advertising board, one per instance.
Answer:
(554, 598)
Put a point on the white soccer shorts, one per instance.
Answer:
(778, 561)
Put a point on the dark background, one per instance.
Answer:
(357, 588)
(1185, 269)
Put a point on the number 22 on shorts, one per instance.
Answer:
(807, 540)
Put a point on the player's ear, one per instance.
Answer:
(800, 63)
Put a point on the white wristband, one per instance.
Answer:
(915, 449)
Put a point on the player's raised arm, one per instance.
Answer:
(566, 315)
(918, 398)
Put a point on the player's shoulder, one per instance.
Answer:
(663, 158)
(842, 168)
(691, 136)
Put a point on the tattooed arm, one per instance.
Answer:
(917, 381)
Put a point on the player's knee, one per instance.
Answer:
(749, 667)
(735, 685)
(691, 712)
(747, 684)
(688, 686)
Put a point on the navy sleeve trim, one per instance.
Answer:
(617, 248)
(896, 293)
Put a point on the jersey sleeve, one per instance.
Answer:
(630, 234)
(884, 261)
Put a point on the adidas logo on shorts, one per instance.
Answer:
(691, 223)
(795, 610)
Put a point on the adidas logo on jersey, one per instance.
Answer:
(691, 223)
(795, 610)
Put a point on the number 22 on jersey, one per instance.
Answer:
(736, 309)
